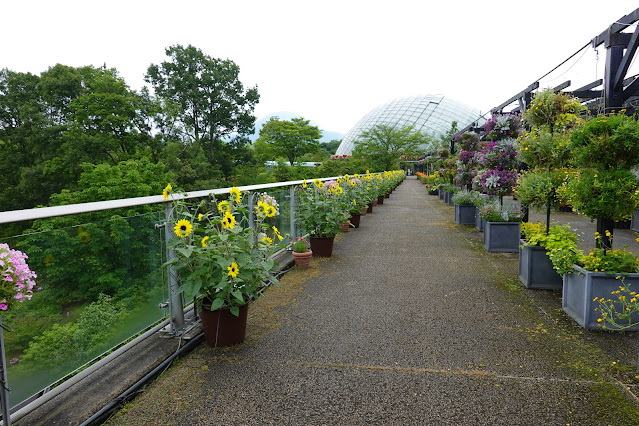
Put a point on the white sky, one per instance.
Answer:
(331, 61)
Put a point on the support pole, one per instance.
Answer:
(176, 305)
(292, 212)
(4, 387)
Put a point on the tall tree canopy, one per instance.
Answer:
(203, 96)
(290, 139)
(383, 144)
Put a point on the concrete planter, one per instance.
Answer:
(441, 193)
(465, 215)
(583, 286)
(536, 270)
(449, 198)
(479, 222)
(634, 223)
(502, 237)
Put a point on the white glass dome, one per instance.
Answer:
(432, 114)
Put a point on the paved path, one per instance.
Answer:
(411, 322)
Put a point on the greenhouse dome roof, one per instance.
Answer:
(432, 114)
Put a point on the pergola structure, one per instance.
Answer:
(613, 92)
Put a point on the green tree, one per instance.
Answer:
(383, 144)
(290, 139)
(203, 97)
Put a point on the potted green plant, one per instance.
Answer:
(319, 213)
(501, 228)
(219, 256)
(536, 269)
(593, 278)
(620, 310)
(301, 253)
(465, 210)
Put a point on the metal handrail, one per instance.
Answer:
(55, 211)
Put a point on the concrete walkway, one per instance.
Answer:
(411, 322)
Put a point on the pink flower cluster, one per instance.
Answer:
(16, 279)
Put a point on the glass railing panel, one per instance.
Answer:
(99, 283)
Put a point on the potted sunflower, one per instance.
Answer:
(224, 259)
(320, 214)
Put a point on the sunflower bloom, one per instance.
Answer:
(167, 191)
(270, 210)
(233, 270)
(261, 208)
(267, 241)
(277, 233)
(304, 185)
(205, 241)
(236, 194)
(183, 228)
(223, 206)
(199, 217)
(228, 221)
(318, 183)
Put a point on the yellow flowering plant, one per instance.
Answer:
(622, 312)
(218, 254)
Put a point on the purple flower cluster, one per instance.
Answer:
(497, 182)
(498, 156)
(502, 127)
(466, 158)
(16, 279)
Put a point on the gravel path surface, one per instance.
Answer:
(410, 322)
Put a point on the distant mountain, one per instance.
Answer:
(327, 136)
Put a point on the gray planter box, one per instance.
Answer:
(583, 286)
(479, 222)
(449, 198)
(634, 223)
(502, 236)
(535, 268)
(441, 193)
(465, 215)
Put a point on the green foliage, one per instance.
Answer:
(318, 210)
(609, 194)
(290, 139)
(466, 198)
(542, 149)
(606, 142)
(560, 244)
(205, 99)
(539, 187)
(621, 313)
(383, 144)
(552, 111)
(74, 341)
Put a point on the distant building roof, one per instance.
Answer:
(432, 114)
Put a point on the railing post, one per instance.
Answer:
(292, 212)
(176, 305)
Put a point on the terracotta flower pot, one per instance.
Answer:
(302, 260)
(364, 211)
(346, 226)
(221, 327)
(374, 203)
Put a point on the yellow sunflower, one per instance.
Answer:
(228, 221)
(205, 241)
(183, 228)
(304, 184)
(233, 270)
(223, 206)
(167, 191)
(270, 210)
(261, 208)
(267, 240)
(236, 194)
(318, 183)
(277, 233)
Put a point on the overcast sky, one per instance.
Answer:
(329, 61)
